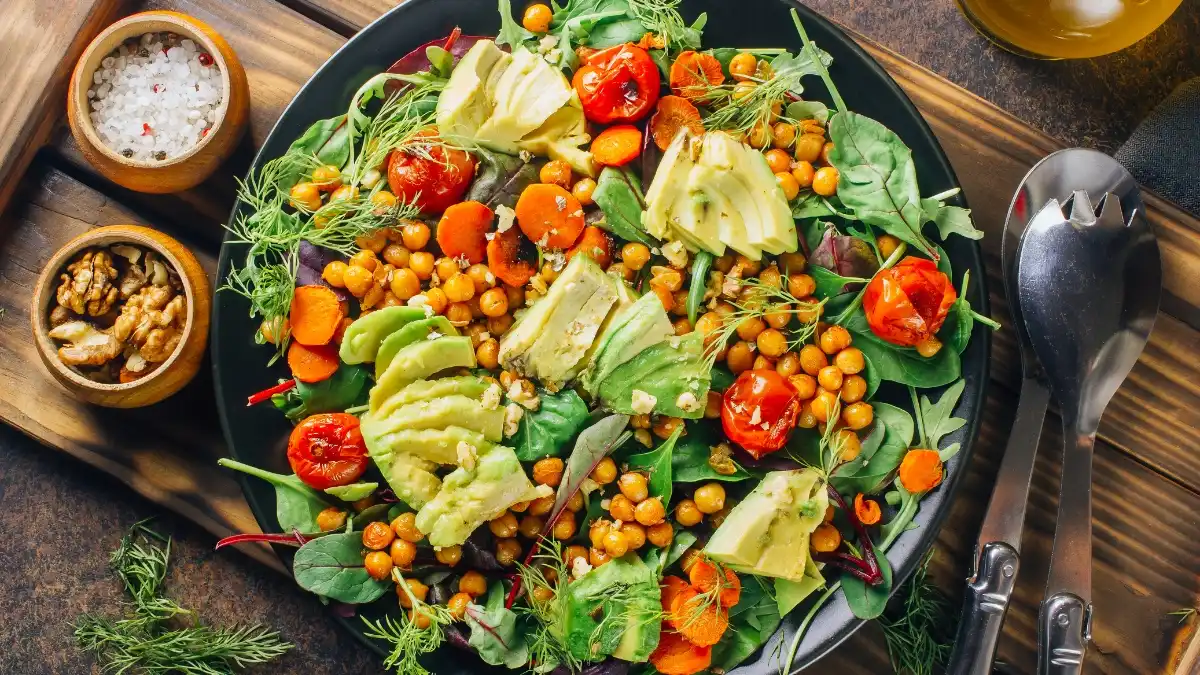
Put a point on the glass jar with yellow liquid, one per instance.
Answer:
(1067, 29)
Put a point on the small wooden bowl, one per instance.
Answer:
(177, 370)
(198, 163)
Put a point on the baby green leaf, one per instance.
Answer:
(657, 463)
(334, 394)
(699, 283)
(902, 364)
(594, 444)
(352, 492)
(494, 635)
(881, 454)
(806, 110)
(949, 219)
(689, 460)
(619, 195)
(296, 504)
(939, 418)
(866, 601)
(332, 566)
(684, 539)
(500, 179)
(546, 431)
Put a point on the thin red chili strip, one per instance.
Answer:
(266, 394)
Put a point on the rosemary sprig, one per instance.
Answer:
(159, 636)
(920, 631)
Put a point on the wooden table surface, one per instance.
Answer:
(62, 515)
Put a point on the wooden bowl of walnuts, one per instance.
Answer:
(120, 316)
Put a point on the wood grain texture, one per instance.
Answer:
(39, 43)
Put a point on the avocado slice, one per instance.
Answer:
(410, 333)
(472, 496)
(411, 478)
(667, 371)
(442, 412)
(427, 390)
(420, 360)
(439, 446)
(464, 105)
(615, 609)
(644, 324)
(766, 534)
(669, 185)
(361, 342)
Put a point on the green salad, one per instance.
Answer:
(585, 325)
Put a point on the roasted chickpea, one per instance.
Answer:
(825, 539)
(825, 150)
(508, 551)
(850, 361)
(372, 297)
(405, 527)
(929, 347)
(642, 436)
(616, 544)
(403, 553)
(473, 584)
(583, 190)
(598, 556)
(499, 325)
(771, 343)
(531, 526)
(377, 536)
(770, 276)
(712, 405)
(830, 378)
(437, 300)
(605, 471)
(548, 471)
(541, 506)
(858, 416)
(383, 201)
(457, 605)
(415, 235)
(504, 526)
(344, 193)
(459, 313)
(660, 535)
(763, 363)
(421, 263)
(808, 147)
(575, 502)
(759, 135)
(635, 534)
(824, 405)
(804, 384)
(556, 172)
(621, 507)
(825, 181)
(708, 323)
(488, 354)
(598, 531)
(803, 172)
(305, 197)
(783, 135)
(493, 303)
(801, 285)
(788, 184)
(640, 421)
(887, 245)
(327, 178)
(334, 274)
(396, 255)
(565, 527)
(331, 519)
(750, 327)
(788, 364)
(634, 486)
(446, 268)
(740, 357)
(571, 553)
(778, 160)
(808, 311)
(687, 513)
(635, 255)
(365, 259)
(834, 340)
(379, 565)
(541, 595)
(851, 446)
(405, 284)
(854, 388)
(374, 242)
(665, 426)
(459, 288)
(709, 498)
(743, 66)
(740, 91)
(806, 420)
(448, 555)
(650, 512)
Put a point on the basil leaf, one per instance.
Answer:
(332, 566)
(500, 179)
(296, 504)
(657, 463)
(619, 195)
(699, 283)
(866, 601)
(546, 431)
(689, 460)
(883, 449)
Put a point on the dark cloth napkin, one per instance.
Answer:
(1163, 153)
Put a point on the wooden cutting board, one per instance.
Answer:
(1147, 474)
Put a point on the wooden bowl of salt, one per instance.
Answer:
(157, 101)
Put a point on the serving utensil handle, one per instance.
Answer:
(986, 602)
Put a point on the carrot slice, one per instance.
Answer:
(315, 316)
(617, 146)
(694, 73)
(549, 215)
(595, 244)
(867, 510)
(675, 610)
(463, 229)
(672, 586)
(701, 622)
(511, 257)
(676, 656)
(312, 364)
(921, 470)
(706, 576)
(674, 113)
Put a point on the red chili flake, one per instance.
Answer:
(146, 130)
(205, 132)
(206, 59)
(156, 88)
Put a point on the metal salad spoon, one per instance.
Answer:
(1088, 288)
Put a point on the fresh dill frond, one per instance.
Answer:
(549, 571)
(157, 635)
(409, 640)
(765, 299)
(662, 18)
(920, 630)
(1184, 614)
(402, 116)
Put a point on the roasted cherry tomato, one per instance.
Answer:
(907, 304)
(437, 177)
(759, 411)
(327, 450)
(618, 84)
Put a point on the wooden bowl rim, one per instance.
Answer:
(49, 280)
(137, 25)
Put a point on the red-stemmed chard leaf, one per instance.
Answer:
(296, 538)
(866, 568)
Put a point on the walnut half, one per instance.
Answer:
(87, 286)
(88, 346)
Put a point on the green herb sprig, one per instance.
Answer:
(920, 627)
(408, 640)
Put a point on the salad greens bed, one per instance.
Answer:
(587, 325)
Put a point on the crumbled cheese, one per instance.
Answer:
(756, 415)
(528, 401)
(588, 486)
(553, 56)
(421, 300)
(642, 403)
(580, 567)
(606, 504)
(433, 335)
(512, 419)
(462, 261)
(654, 250)
(674, 342)
(544, 241)
(525, 156)
(764, 426)
(485, 336)
(547, 43)
(557, 258)
(688, 402)
(468, 456)
(491, 397)
(542, 491)
(675, 253)
(505, 217)
(561, 202)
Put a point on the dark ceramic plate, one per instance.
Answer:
(257, 435)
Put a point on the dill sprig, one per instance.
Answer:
(408, 640)
(920, 632)
(765, 299)
(145, 641)
(760, 106)
(546, 647)
(661, 18)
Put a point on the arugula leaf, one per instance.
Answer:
(882, 451)
(689, 461)
(949, 219)
(296, 504)
(805, 110)
(352, 492)
(938, 418)
(699, 283)
(619, 195)
(657, 463)
(546, 431)
(511, 33)
(866, 601)
(494, 633)
(332, 567)
(878, 177)
(798, 66)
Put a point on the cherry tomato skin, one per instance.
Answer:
(327, 450)
(777, 406)
(908, 303)
(618, 84)
(437, 182)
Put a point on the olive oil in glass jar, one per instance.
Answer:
(1066, 29)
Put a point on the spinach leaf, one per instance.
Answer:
(830, 283)
(511, 32)
(494, 633)
(619, 195)
(878, 178)
(689, 460)
(699, 283)
(866, 601)
(332, 566)
(613, 33)
(938, 418)
(657, 463)
(751, 623)
(684, 539)
(352, 492)
(960, 320)
(593, 444)
(882, 451)
(296, 504)
(722, 379)
(500, 179)
(805, 110)
(871, 374)
(343, 390)
(902, 364)
(546, 431)
(811, 205)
